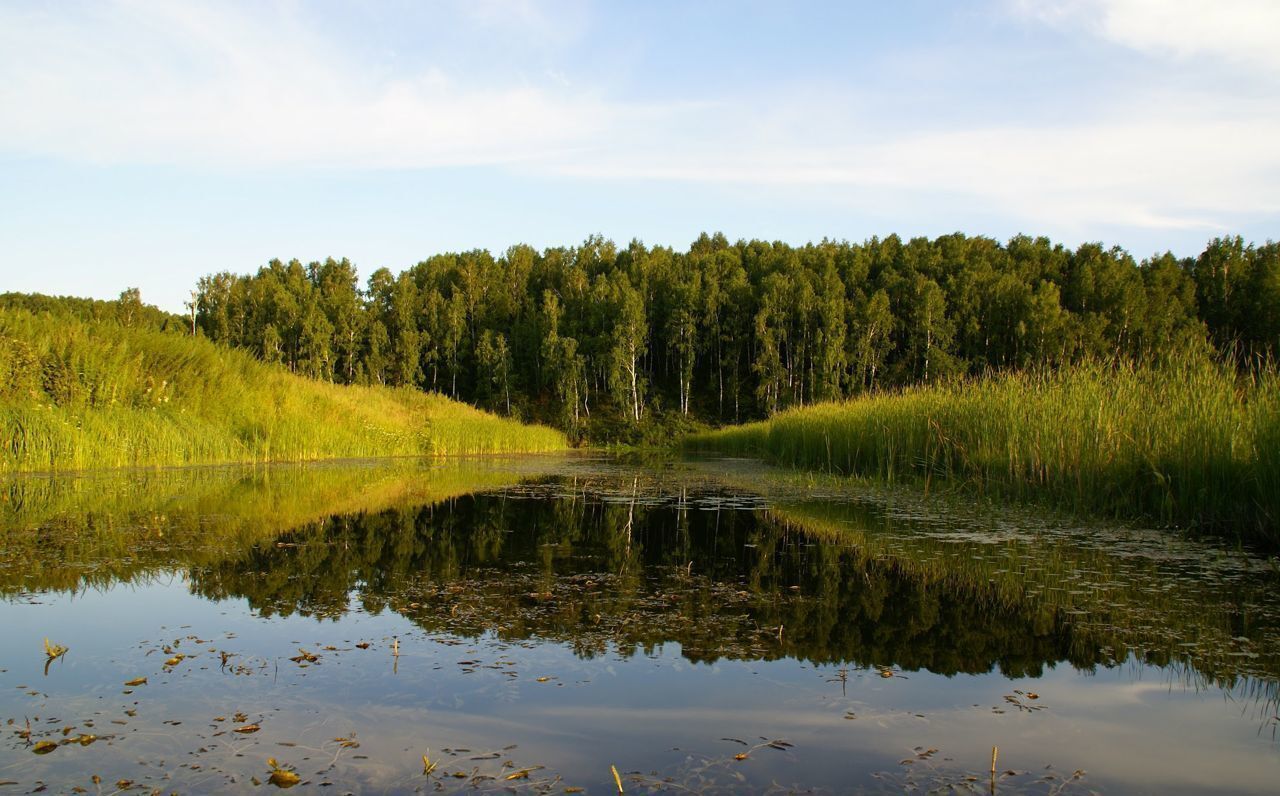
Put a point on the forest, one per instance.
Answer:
(624, 344)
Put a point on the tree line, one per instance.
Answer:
(734, 331)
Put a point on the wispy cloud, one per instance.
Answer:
(180, 83)
(1236, 31)
(225, 85)
(1148, 169)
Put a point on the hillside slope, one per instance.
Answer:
(79, 392)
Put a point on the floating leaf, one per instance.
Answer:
(741, 756)
(44, 747)
(281, 777)
(248, 728)
(136, 681)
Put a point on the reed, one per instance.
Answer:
(78, 394)
(1189, 443)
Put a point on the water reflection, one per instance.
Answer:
(607, 575)
(601, 556)
(515, 562)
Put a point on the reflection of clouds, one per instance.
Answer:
(1133, 727)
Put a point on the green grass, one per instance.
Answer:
(1192, 444)
(78, 394)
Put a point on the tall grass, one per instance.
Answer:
(1190, 443)
(78, 394)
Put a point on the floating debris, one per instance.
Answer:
(282, 777)
(54, 651)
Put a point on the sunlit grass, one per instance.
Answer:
(76, 395)
(1188, 444)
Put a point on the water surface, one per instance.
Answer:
(531, 623)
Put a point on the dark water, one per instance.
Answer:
(705, 626)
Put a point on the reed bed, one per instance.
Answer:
(1192, 444)
(82, 394)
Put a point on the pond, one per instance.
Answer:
(589, 624)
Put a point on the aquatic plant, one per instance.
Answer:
(1190, 443)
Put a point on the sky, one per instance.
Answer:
(147, 143)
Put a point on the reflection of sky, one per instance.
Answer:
(1132, 728)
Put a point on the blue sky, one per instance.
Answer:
(147, 143)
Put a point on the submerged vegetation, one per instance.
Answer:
(1190, 443)
(81, 390)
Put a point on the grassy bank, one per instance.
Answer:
(1191, 444)
(78, 393)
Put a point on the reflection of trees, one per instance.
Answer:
(1177, 604)
(600, 575)
(612, 561)
(68, 533)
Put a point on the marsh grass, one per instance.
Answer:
(1191, 444)
(78, 394)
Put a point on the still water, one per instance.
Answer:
(535, 624)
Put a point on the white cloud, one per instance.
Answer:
(148, 81)
(1145, 170)
(1237, 31)
(160, 82)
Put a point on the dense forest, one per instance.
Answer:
(601, 340)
